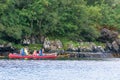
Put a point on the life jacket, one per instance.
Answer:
(35, 53)
(22, 52)
(40, 52)
(26, 51)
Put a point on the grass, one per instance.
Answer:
(31, 46)
(35, 46)
(66, 42)
(100, 44)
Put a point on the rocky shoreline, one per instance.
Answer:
(110, 49)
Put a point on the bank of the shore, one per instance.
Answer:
(67, 49)
(60, 58)
(71, 56)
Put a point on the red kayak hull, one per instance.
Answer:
(16, 56)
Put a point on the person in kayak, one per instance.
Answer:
(26, 51)
(35, 53)
(40, 52)
(22, 52)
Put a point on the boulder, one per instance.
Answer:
(108, 35)
(115, 46)
(52, 45)
(108, 47)
(100, 49)
(8, 45)
(70, 47)
(26, 41)
(33, 40)
(46, 43)
(42, 38)
(118, 41)
(59, 44)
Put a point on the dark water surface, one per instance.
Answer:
(108, 69)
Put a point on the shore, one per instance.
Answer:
(75, 56)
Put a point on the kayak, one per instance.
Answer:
(17, 56)
(46, 56)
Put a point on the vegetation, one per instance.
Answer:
(72, 19)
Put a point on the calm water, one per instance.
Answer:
(59, 70)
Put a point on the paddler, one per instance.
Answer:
(40, 52)
(22, 52)
(26, 51)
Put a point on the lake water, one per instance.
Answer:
(108, 69)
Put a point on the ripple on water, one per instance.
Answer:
(59, 70)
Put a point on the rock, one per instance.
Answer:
(70, 47)
(108, 35)
(42, 39)
(115, 46)
(26, 42)
(97, 48)
(8, 45)
(57, 51)
(118, 41)
(1, 45)
(85, 49)
(79, 49)
(59, 44)
(100, 49)
(47, 49)
(52, 45)
(94, 49)
(33, 40)
(108, 47)
(46, 43)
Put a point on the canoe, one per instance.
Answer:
(47, 56)
(17, 56)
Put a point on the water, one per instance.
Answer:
(60, 70)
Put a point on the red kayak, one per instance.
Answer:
(46, 56)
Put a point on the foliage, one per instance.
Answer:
(73, 19)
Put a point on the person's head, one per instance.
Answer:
(42, 49)
(37, 51)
